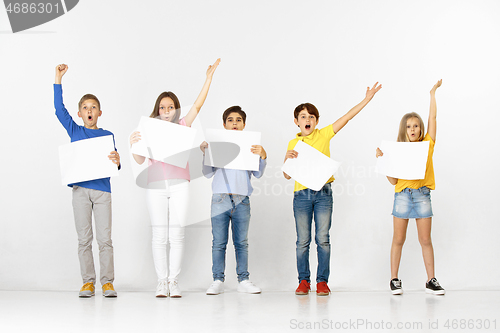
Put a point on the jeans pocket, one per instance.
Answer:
(218, 198)
(246, 201)
(301, 192)
(425, 190)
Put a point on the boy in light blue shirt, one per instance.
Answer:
(231, 203)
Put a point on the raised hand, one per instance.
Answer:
(437, 85)
(371, 92)
(200, 100)
(431, 125)
(211, 69)
(60, 71)
(135, 137)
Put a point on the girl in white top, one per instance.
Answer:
(167, 194)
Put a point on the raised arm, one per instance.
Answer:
(431, 125)
(195, 109)
(61, 113)
(342, 121)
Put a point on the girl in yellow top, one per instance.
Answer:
(413, 199)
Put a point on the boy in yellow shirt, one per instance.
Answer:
(308, 203)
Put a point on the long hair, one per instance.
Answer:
(177, 105)
(403, 133)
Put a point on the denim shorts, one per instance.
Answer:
(412, 203)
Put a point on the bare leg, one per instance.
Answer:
(398, 239)
(424, 237)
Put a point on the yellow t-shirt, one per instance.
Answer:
(429, 172)
(319, 139)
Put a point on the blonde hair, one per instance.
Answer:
(87, 97)
(403, 133)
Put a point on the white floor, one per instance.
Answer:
(457, 311)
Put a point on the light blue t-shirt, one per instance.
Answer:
(231, 180)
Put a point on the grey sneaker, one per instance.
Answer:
(216, 288)
(108, 290)
(87, 290)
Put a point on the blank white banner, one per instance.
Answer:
(222, 145)
(311, 168)
(164, 141)
(87, 160)
(403, 160)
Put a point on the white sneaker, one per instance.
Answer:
(174, 290)
(162, 289)
(246, 286)
(216, 288)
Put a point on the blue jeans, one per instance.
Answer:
(234, 208)
(306, 205)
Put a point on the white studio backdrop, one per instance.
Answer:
(275, 55)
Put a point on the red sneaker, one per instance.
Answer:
(322, 289)
(303, 288)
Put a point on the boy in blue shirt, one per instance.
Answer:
(89, 196)
(230, 202)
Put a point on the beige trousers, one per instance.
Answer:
(86, 201)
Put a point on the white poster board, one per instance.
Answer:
(164, 141)
(87, 160)
(217, 155)
(311, 168)
(403, 160)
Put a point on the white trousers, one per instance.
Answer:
(167, 204)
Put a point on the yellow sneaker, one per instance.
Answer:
(87, 290)
(108, 290)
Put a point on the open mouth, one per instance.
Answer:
(308, 126)
(90, 118)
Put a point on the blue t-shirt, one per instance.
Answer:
(76, 133)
